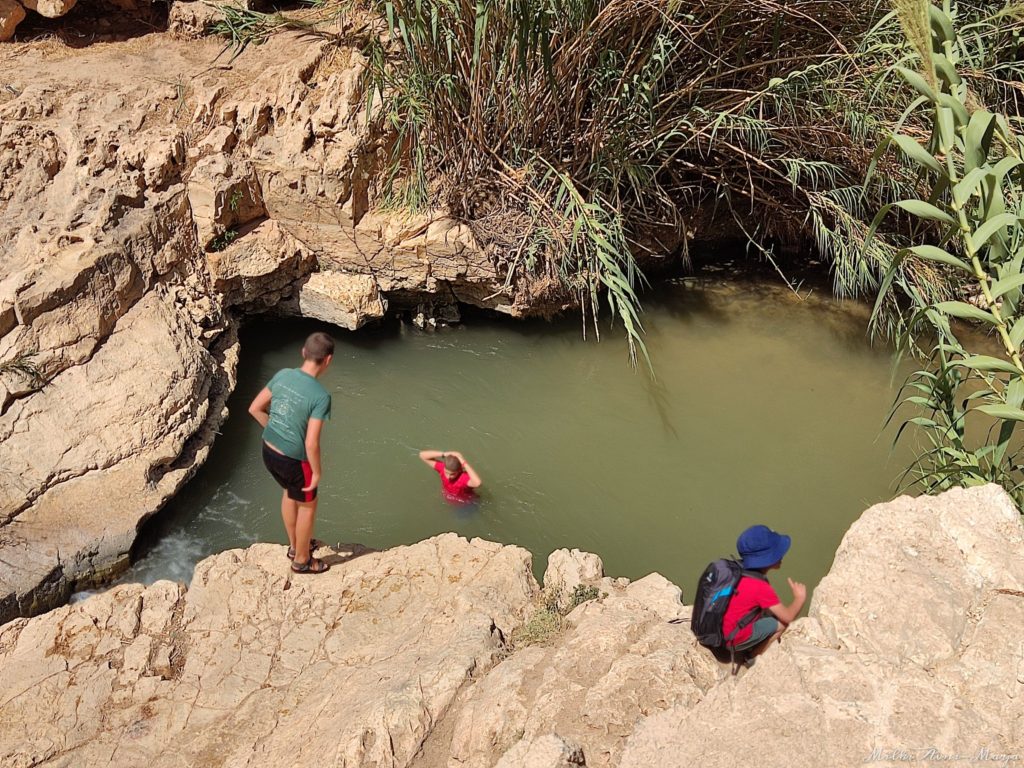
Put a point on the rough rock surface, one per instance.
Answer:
(150, 196)
(403, 658)
(252, 666)
(617, 661)
(12, 13)
(567, 569)
(912, 643)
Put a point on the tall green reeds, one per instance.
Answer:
(577, 137)
(969, 400)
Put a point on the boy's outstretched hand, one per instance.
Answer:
(799, 590)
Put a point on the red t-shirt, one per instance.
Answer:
(750, 593)
(457, 489)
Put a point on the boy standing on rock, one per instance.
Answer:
(761, 550)
(291, 409)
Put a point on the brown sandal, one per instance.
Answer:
(314, 565)
(314, 544)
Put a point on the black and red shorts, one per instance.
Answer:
(291, 474)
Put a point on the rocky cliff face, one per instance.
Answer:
(416, 657)
(151, 194)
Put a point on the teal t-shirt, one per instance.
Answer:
(296, 397)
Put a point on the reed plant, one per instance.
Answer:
(578, 137)
(568, 132)
(968, 401)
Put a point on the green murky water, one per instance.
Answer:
(766, 409)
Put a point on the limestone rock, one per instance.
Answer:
(259, 267)
(253, 666)
(98, 457)
(568, 569)
(51, 9)
(11, 14)
(618, 661)
(135, 180)
(223, 194)
(191, 20)
(549, 751)
(912, 642)
(348, 301)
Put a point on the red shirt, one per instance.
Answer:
(457, 489)
(750, 593)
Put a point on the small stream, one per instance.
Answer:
(767, 408)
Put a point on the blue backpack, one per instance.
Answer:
(715, 589)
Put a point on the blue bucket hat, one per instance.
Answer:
(759, 546)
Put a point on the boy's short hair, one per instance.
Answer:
(452, 464)
(317, 347)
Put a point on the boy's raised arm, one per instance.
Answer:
(787, 613)
(474, 478)
(429, 457)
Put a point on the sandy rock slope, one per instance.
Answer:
(151, 194)
(415, 657)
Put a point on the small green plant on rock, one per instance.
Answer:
(22, 365)
(222, 241)
(582, 593)
(548, 621)
(541, 627)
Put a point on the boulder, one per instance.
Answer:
(254, 666)
(11, 14)
(910, 652)
(259, 267)
(51, 9)
(568, 569)
(348, 301)
(617, 661)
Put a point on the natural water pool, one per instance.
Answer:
(766, 408)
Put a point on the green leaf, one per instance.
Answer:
(917, 153)
(947, 72)
(947, 128)
(965, 311)
(1006, 284)
(924, 210)
(988, 364)
(968, 184)
(1004, 166)
(941, 25)
(1017, 333)
(933, 253)
(1001, 411)
(917, 82)
(1015, 392)
(978, 139)
(984, 233)
(952, 103)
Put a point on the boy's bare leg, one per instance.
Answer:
(758, 650)
(305, 517)
(289, 513)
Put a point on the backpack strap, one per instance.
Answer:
(748, 618)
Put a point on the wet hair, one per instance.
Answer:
(317, 347)
(452, 464)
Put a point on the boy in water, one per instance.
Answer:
(291, 409)
(458, 479)
(761, 550)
